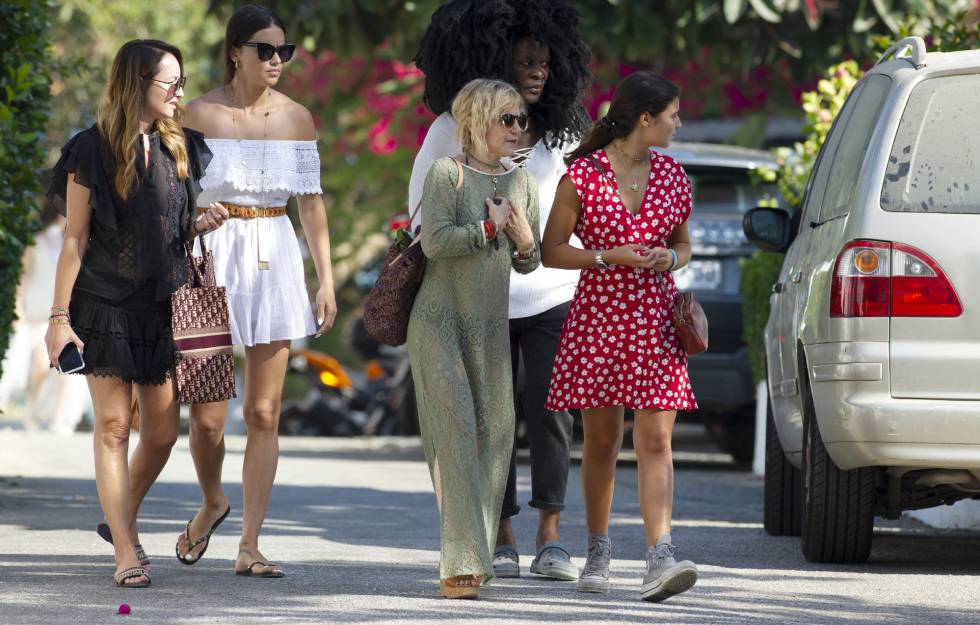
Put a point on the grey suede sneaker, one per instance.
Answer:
(595, 574)
(666, 576)
(506, 562)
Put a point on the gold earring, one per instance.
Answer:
(237, 63)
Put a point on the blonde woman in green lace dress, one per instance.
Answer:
(479, 219)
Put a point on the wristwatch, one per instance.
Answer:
(599, 262)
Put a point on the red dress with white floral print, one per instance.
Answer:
(618, 346)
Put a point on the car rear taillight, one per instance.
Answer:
(882, 279)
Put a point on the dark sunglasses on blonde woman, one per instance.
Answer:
(508, 120)
(266, 50)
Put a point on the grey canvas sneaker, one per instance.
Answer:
(595, 575)
(666, 576)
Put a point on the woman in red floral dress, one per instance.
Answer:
(629, 206)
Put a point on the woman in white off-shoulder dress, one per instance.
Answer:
(264, 147)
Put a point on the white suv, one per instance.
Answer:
(873, 339)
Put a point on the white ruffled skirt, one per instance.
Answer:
(265, 305)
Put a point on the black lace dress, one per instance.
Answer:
(135, 255)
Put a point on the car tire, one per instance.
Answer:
(838, 506)
(783, 507)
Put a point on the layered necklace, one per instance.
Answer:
(263, 264)
(496, 168)
(634, 186)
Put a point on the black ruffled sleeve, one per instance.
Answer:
(199, 156)
(85, 156)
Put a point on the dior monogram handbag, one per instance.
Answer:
(205, 368)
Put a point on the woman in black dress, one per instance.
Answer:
(127, 186)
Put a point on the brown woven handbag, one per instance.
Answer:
(388, 307)
(205, 367)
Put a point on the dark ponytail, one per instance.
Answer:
(638, 93)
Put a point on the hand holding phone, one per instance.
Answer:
(70, 360)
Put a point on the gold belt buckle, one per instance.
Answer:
(263, 265)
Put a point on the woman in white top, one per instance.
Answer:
(541, 54)
(264, 147)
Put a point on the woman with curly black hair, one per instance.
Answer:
(534, 45)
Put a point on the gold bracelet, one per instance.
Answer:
(58, 321)
(55, 309)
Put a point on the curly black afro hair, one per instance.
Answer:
(469, 39)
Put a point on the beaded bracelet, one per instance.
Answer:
(531, 253)
(58, 321)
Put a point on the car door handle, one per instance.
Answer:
(797, 276)
(777, 288)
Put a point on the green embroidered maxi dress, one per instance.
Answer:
(459, 346)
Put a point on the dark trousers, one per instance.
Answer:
(535, 339)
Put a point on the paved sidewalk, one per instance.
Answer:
(355, 524)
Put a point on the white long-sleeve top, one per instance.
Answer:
(544, 288)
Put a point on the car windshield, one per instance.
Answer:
(724, 190)
(934, 161)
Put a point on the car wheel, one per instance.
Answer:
(783, 487)
(838, 506)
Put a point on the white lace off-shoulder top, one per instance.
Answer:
(260, 172)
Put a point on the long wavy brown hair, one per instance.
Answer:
(122, 108)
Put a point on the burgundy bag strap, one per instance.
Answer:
(205, 260)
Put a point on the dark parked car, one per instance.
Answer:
(723, 192)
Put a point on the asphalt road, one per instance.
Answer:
(355, 524)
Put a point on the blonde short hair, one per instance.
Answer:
(478, 106)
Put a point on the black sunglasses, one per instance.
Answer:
(266, 50)
(508, 120)
(173, 85)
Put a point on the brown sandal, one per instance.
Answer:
(132, 573)
(461, 587)
(141, 555)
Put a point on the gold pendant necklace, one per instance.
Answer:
(263, 264)
(635, 186)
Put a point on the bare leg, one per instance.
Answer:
(207, 443)
(111, 400)
(505, 533)
(265, 371)
(655, 470)
(160, 422)
(548, 527)
(603, 438)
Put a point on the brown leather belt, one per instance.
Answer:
(249, 212)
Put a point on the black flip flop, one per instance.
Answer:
(273, 574)
(102, 529)
(206, 539)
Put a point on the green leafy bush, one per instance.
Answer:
(25, 94)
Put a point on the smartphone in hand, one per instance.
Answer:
(70, 359)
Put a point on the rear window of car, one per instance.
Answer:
(934, 164)
(726, 190)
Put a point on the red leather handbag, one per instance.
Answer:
(691, 323)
